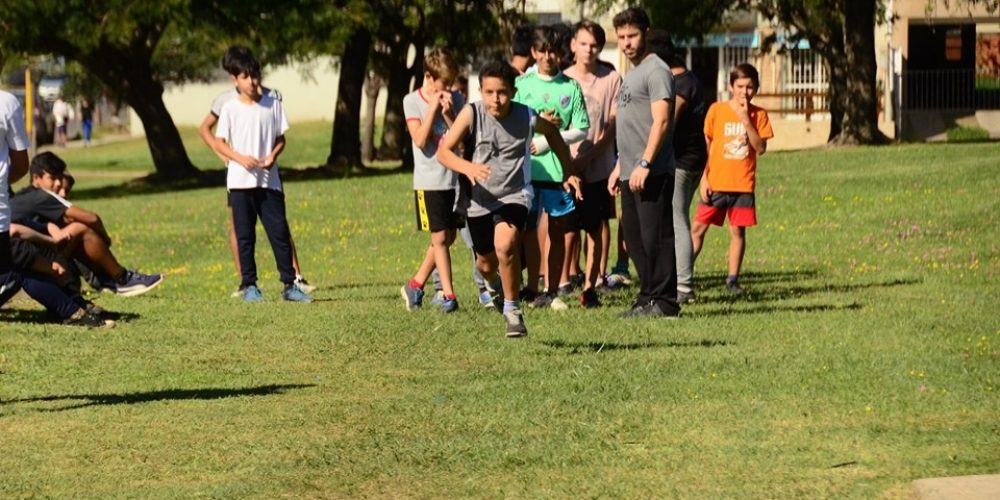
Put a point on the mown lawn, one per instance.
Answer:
(866, 354)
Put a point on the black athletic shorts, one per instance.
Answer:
(597, 205)
(482, 228)
(435, 210)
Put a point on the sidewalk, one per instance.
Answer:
(958, 488)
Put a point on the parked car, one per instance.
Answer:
(50, 88)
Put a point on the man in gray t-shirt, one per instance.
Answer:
(645, 172)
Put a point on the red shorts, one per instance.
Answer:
(739, 207)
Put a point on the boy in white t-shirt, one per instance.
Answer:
(205, 131)
(251, 134)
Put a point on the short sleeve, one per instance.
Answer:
(281, 119)
(15, 137)
(219, 101)
(660, 83)
(763, 124)
(580, 120)
(411, 111)
(222, 128)
(710, 122)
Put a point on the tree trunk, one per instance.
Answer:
(837, 95)
(393, 128)
(860, 124)
(143, 94)
(345, 142)
(372, 86)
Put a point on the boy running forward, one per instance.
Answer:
(736, 132)
(594, 158)
(500, 133)
(251, 134)
(549, 91)
(644, 174)
(205, 131)
(429, 111)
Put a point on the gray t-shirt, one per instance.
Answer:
(428, 173)
(648, 82)
(503, 145)
(221, 99)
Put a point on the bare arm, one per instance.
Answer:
(705, 190)
(753, 137)
(87, 218)
(205, 132)
(421, 130)
(559, 147)
(603, 143)
(663, 121)
(27, 234)
(247, 162)
(279, 146)
(476, 172)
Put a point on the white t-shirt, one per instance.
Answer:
(251, 129)
(62, 112)
(13, 139)
(232, 93)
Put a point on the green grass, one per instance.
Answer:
(866, 355)
(967, 134)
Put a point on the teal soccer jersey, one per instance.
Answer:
(562, 95)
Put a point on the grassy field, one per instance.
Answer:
(866, 354)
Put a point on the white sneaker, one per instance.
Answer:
(558, 304)
(302, 284)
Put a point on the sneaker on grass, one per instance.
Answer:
(292, 293)
(137, 283)
(438, 298)
(449, 305)
(515, 324)
(413, 297)
(303, 284)
(84, 318)
(588, 299)
(252, 294)
(734, 288)
(485, 299)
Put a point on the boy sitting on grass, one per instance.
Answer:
(500, 133)
(251, 134)
(736, 132)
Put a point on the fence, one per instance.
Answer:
(949, 89)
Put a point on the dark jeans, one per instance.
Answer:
(37, 287)
(269, 205)
(647, 224)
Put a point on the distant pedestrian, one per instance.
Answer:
(62, 113)
(737, 133)
(86, 119)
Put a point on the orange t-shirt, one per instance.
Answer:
(732, 162)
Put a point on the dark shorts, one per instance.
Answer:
(435, 210)
(597, 205)
(739, 207)
(482, 229)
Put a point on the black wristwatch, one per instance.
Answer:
(643, 164)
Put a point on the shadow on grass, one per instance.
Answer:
(37, 317)
(717, 280)
(166, 395)
(152, 184)
(599, 347)
(763, 294)
(766, 309)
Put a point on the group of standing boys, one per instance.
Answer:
(543, 154)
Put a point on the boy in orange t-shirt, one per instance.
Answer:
(736, 132)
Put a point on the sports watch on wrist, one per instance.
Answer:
(643, 164)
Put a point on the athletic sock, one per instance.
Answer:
(509, 305)
(449, 296)
(414, 284)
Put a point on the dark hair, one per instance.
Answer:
(239, 60)
(69, 180)
(659, 43)
(47, 162)
(545, 39)
(745, 70)
(520, 40)
(594, 29)
(632, 16)
(498, 69)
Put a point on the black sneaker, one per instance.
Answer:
(654, 311)
(576, 280)
(136, 283)
(685, 297)
(734, 288)
(83, 318)
(527, 295)
(635, 311)
(515, 324)
(542, 301)
(565, 290)
(589, 300)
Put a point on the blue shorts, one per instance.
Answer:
(550, 197)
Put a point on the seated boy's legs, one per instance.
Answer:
(10, 280)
